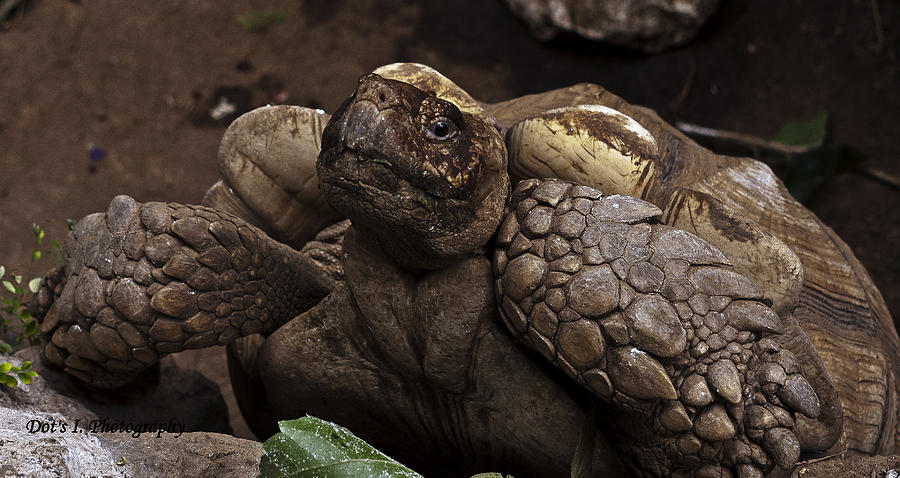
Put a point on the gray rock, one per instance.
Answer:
(645, 25)
(184, 397)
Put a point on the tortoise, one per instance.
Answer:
(505, 269)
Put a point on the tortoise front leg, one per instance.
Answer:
(652, 320)
(145, 280)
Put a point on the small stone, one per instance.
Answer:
(712, 423)
(593, 291)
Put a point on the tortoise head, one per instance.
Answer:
(426, 180)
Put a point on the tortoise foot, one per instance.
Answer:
(144, 280)
(654, 322)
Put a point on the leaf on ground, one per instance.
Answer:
(309, 447)
(809, 133)
(807, 172)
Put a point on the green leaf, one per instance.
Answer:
(24, 378)
(70, 223)
(584, 453)
(5, 367)
(9, 381)
(807, 172)
(258, 20)
(805, 132)
(18, 278)
(35, 255)
(8, 286)
(34, 285)
(5, 348)
(25, 365)
(31, 328)
(2, 271)
(309, 447)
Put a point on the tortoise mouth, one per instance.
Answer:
(353, 178)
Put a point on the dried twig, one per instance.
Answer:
(686, 89)
(756, 143)
(741, 139)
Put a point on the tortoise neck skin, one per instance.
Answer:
(424, 180)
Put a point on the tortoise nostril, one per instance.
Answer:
(381, 97)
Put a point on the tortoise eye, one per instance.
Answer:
(441, 129)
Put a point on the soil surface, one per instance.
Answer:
(106, 97)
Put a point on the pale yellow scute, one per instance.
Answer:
(602, 148)
(755, 253)
(268, 158)
(427, 78)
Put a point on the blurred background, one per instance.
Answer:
(105, 97)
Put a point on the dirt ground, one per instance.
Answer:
(131, 82)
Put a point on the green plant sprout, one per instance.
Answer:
(15, 318)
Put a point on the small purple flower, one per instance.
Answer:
(97, 154)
